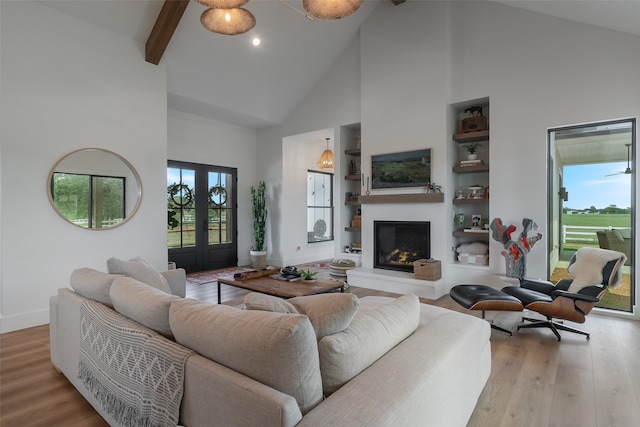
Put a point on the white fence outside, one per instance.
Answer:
(582, 234)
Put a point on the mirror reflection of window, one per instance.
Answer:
(90, 201)
(94, 189)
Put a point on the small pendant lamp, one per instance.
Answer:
(331, 9)
(326, 159)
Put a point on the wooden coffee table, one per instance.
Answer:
(280, 288)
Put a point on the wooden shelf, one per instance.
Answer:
(352, 229)
(470, 201)
(403, 198)
(463, 138)
(353, 202)
(471, 169)
(479, 234)
(352, 151)
(352, 177)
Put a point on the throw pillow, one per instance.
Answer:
(143, 303)
(276, 349)
(93, 284)
(140, 270)
(369, 337)
(329, 313)
(258, 301)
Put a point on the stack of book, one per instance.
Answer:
(356, 222)
(476, 162)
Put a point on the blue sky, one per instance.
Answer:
(588, 186)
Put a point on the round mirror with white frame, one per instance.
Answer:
(94, 188)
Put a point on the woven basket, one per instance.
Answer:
(425, 270)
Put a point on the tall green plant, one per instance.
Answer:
(259, 212)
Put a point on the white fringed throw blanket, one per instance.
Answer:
(136, 375)
(587, 268)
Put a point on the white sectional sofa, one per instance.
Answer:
(328, 360)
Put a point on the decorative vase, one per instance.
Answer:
(473, 156)
(258, 259)
(459, 222)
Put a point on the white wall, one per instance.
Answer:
(59, 95)
(301, 153)
(334, 101)
(196, 139)
(404, 99)
(417, 58)
(539, 72)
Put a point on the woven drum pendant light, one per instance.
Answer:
(326, 159)
(228, 21)
(223, 4)
(331, 9)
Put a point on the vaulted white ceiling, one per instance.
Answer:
(227, 78)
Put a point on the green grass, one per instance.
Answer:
(595, 220)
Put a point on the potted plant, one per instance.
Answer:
(308, 276)
(471, 148)
(259, 212)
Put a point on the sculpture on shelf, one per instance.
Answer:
(515, 251)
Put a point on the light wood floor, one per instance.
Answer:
(535, 380)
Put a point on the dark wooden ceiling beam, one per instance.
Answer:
(397, 2)
(163, 29)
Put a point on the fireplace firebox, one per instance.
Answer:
(397, 244)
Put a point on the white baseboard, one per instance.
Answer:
(23, 321)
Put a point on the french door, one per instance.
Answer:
(202, 216)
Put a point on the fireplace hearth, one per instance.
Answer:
(397, 244)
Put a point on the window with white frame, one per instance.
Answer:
(319, 206)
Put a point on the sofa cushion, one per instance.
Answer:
(93, 284)
(345, 354)
(143, 303)
(625, 233)
(329, 313)
(139, 269)
(258, 301)
(276, 349)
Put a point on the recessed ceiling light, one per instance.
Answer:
(256, 41)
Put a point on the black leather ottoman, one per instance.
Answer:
(481, 297)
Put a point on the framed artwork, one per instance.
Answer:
(405, 169)
(476, 221)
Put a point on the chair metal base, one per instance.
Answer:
(551, 324)
(496, 327)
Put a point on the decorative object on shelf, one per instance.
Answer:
(326, 158)
(515, 250)
(331, 9)
(405, 169)
(434, 188)
(471, 148)
(477, 192)
(472, 162)
(358, 142)
(427, 269)
(476, 221)
(460, 194)
(458, 221)
(475, 122)
(259, 211)
(368, 192)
